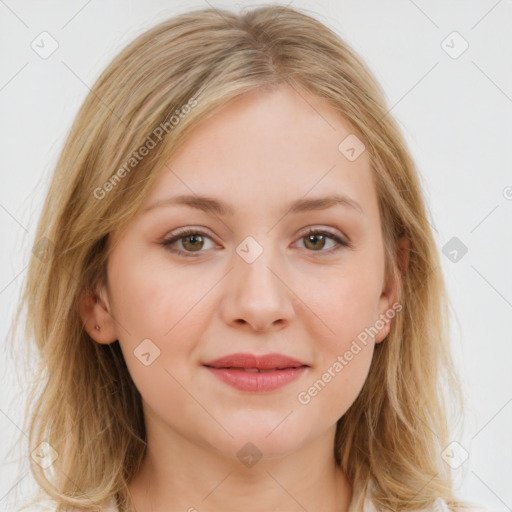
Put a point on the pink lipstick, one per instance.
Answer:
(249, 372)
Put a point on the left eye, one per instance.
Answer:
(315, 237)
(191, 237)
(192, 241)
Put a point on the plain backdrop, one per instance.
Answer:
(446, 68)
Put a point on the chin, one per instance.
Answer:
(265, 438)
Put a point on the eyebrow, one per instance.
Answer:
(212, 205)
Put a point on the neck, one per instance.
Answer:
(178, 474)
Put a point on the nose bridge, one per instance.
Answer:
(254, 262)
(257, 294)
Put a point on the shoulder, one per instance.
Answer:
(440, 505)
(472, 507)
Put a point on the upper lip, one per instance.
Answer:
(261, 362)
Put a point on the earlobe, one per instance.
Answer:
(390, 295)
(386, 316)
(96, 316)
(383, 333)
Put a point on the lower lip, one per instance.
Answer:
(257, 381)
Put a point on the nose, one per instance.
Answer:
(256, 295)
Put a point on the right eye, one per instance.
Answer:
(192, 241)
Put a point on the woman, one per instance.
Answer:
(240, 304)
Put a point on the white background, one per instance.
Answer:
(456, 116)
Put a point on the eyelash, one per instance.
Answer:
(188, 231)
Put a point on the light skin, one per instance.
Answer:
(303, 297)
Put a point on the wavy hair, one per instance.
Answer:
(83, 401)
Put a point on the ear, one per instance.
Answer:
(95, 313)
(388, 302)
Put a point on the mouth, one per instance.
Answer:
(253, 362)
(254, 370)
(248, 372)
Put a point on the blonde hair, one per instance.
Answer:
(85, 404)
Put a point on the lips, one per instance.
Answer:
(256, 374)
(252, 363)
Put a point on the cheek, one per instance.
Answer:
(163, 307)
(340, 372)
(346, 298)
(342, 360)
(347, 303)
(154, 298)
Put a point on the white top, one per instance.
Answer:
(439, 504)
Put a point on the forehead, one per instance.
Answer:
(270, 147)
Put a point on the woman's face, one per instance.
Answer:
(252, 280)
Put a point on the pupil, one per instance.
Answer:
(312, 238)
(194, 239)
